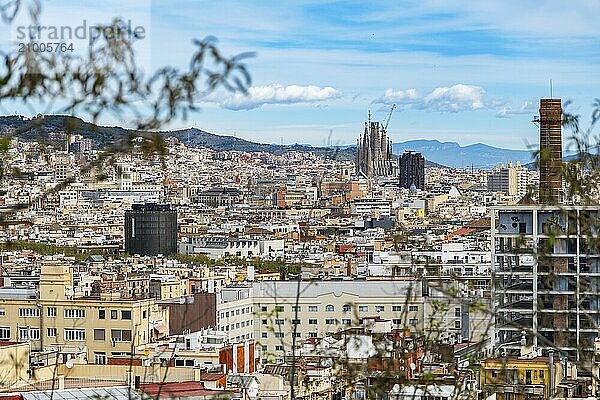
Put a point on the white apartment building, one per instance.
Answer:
(371, 207)
(511, 179)
(218, 247)
(235, 314)
(68, 198)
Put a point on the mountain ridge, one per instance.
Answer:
(437, 153)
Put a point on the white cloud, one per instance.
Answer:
(455, 98)
(526, 108)
(409, 96)
(258, 96)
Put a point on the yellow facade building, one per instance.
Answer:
(52, 319)
(515, 378)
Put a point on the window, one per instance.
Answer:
(313, 308)
(279, 309)
(74, 313)
(29, 333)
(144, 314)
(312, 334)
(312, 321)
(363, 308)
(263, 309)
(113, 314)
(346, 308)
(297, 308)
(279, 347)
(100, 357)
(413, 308)
(457, 324)
(120, 335)
(51, 312)
(126, 314)
(2, 312)
(99, 334)
(52, 332)
(396, 308)
(4, 333)
(413, 321)
(457, 312)
(102, 314)
(346, 321)
(296, 321)
(541, 374)
(264, 335)
(279, 322)
(74, 335)
(264, 321)
(397, 321)
(379, 308)
(29, 312)
(330, 321)
(279, 335)
(329, 308)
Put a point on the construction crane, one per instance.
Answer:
(389, 117)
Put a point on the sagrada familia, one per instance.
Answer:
(374, 151)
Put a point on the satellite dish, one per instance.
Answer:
(69, 364)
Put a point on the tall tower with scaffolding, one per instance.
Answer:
(374, 150)
(550, 157)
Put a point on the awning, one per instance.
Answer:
(162, 329)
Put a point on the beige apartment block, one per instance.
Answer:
(321, 308)
(52, 319)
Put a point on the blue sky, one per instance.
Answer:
(465, 71)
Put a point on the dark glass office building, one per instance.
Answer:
(151, 229)
(412, 170)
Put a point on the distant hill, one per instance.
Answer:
(437, 153)
(103, 136)
(454, 155)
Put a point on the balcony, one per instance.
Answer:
(519, 287)
(522, 304)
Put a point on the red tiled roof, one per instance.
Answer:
(211, 376)
(11, 397)
(463, 231)
(481, 223)
(169, 390)
(8, 343)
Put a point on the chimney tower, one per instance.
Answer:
(550, 121)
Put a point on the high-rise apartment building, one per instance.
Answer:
(412, 170)
(546, 278)
(550, 159)
(511, 179)
(374, 151)
(151, 229)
